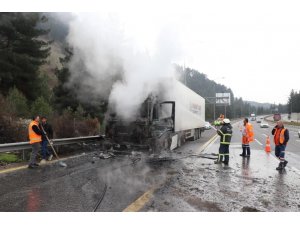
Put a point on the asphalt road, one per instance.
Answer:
(81, 185)
(185, 179)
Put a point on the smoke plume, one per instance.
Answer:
(110, 64)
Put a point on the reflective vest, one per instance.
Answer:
(225, 138)
(249, 134)
(33, 137)
(279, 137)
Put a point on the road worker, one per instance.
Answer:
(35, 138)
(281, 138)
(225, 137)
(247, 138)
(219, 121)
(49, 132)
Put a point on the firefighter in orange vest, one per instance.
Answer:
(247, 137)
(281, 137)
(35, 138)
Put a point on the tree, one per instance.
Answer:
(17, 103)
(41, 107)
(22, 52)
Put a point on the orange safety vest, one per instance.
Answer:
(33, 137)
(249, 134)
(279, 137)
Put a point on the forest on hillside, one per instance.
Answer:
(35, 74)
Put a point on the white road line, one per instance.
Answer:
(298, 140)
(296, 135)
(265, 135)
(258, 142)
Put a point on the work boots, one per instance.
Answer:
(284, 163)
(280, 166)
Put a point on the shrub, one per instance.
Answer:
(17, 103)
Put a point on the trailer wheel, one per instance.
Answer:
(195, 137)
(179, 141)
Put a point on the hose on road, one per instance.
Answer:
(101, 198)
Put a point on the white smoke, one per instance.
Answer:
(109, 63)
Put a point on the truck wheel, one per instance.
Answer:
(179, 141)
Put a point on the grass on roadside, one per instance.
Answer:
(9, 158)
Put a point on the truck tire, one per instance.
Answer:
(179, 141)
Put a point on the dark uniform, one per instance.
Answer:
(225, 137)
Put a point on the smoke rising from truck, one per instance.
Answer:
(110, 64)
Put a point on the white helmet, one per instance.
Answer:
(226, 120)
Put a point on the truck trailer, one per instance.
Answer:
(164, 122)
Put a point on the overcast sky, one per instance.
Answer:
(251, 46)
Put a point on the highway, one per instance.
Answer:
(185, 179)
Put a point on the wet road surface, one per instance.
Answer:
(185, 179)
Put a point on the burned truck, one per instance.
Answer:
(164, 122)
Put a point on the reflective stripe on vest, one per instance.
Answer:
(281, 136)
(33, 137)
(224, 138)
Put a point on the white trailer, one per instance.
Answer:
(189, 113)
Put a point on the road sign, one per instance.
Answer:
(223, 99)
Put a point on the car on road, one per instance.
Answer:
(207, 126)
(258, 121)
(264, 124)
(299, 133)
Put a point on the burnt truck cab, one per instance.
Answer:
(164, 121)
(151, 129)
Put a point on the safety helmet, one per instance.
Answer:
(226, 120)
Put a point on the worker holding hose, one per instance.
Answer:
(225, 134)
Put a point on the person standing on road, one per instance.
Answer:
(45, 126)
(225, 137)
(281, 138)
(247, 137)
(35, 138)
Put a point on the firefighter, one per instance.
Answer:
(281, 138)
(247, 137)
(35, 138)
(225, 137)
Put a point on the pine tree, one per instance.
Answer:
(22, 52)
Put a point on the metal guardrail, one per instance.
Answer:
(9, 147)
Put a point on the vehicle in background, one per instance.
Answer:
(299, 133)
(252, 117)
(277, 116)
(207, 125)
(165, 121)
(264, 124)
(258, 120)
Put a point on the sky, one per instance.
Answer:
(253, 47)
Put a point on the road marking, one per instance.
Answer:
(138, 204)
(145, 198)
(13, 169)
(298, 140)
(47, 163)
(265, 135)
(258, 142)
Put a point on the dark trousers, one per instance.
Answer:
(280, 152)
(224, 153)
(246, 148)
(45, 152)
(35, 149)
